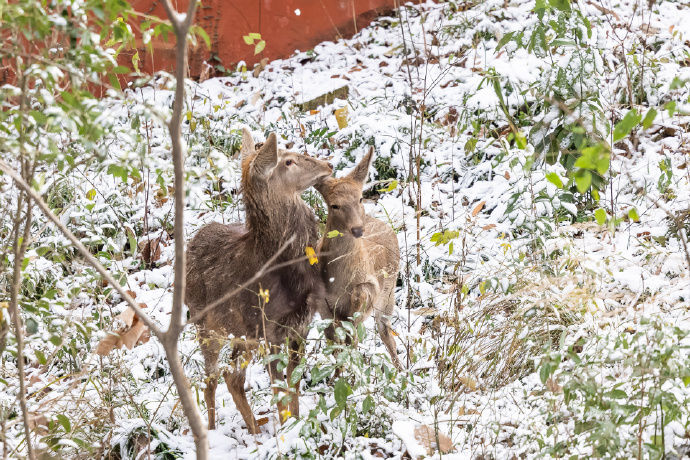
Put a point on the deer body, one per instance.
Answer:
(359, 267)
(223, 257)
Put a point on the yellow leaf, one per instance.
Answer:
(263, 293)
(286, 414)
(244, 364)
(311, 254)
(91, 194)
(341, 117)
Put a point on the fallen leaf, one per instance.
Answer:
(489, 227)
(341, 117)
(433, 440)
(262, 421)
(135, 331)
(507, 175)
(478, 208)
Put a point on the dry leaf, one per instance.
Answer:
(553, 386)
(150, 251)
(134, 332)
(262, 421)
(427, 437)
(469, 382)
(507, 175)
(489, 227)
(341, 117)
(478, 208)
(132, 294)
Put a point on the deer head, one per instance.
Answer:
(344, 199)
(283, 173)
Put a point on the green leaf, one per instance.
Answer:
(64, 421)
(114, 82)
(583, 181)
(649, 118)
(341, 391)
(259, 47)
(248, 40)
(255, 36)
(600, 215)
(554, 179)
(563, 5)
(367, 404)
(335, 412)
(391, 186)
(318, 374)
(121, 69)
(504, 40)
(297, 372)
(40, 117)
(671, 107)
(204, 36)
(633, 215)
(544, 372)
(41, 357)
(623, 127)
(31, 326)
(616, 394)
(470, 145)
(333, 234)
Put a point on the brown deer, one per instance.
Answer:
(359, 266)
(223, 257)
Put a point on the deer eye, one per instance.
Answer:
(288, 162)
(335, 206)
(360, 200)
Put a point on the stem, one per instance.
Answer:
(20, 249)
(181, 26)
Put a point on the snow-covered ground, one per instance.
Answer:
(472, 322)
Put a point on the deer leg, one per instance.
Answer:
(210, 349)
(383, 322)
(234, 379)
(295, 356)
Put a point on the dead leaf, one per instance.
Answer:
(489, 227)
(507, 175)
(262, 421)
(433, 440)
(260, 67)
(135, 331)
(553, 386)
(150, 250)
(478, 208)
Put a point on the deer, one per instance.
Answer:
(360, 264)
(222, 258)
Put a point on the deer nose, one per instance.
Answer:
(357, 232)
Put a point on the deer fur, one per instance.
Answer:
(223, 257)
(359, 267)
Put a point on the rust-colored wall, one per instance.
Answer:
(226, 21)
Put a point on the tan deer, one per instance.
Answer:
(223, 257)
(360, 265)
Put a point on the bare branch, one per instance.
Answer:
(33, 195)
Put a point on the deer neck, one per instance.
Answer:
(272, 221)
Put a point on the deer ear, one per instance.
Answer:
(361, 171)
(267, 157)
(247, 149)
(324, 185)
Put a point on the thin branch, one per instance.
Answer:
(33, 195)
(20, 250)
